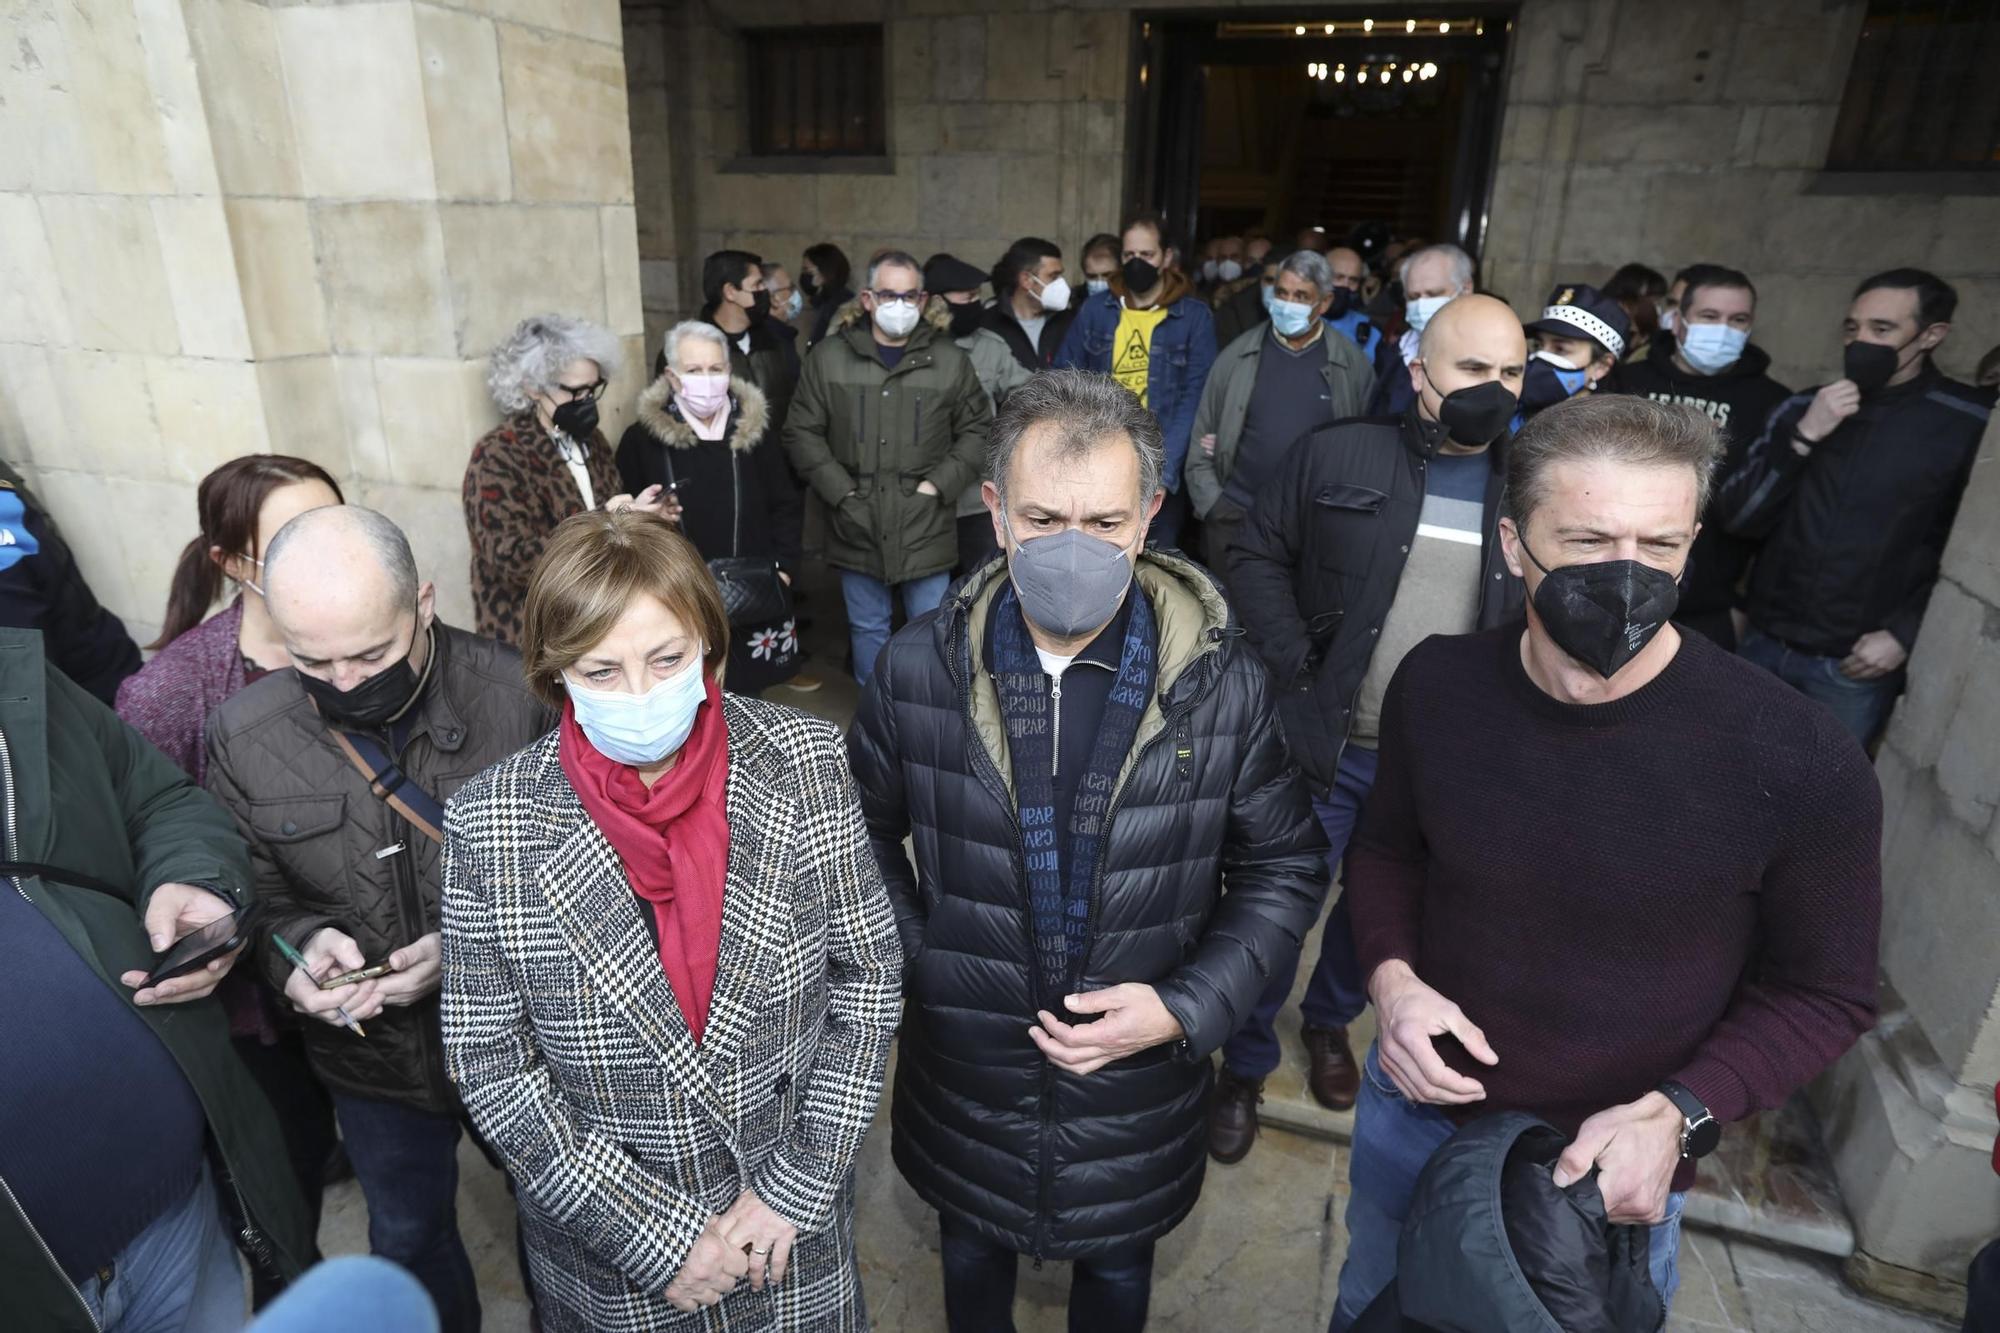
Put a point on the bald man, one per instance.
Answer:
(1372, 535)
(347, 861)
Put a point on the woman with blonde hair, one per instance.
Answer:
(671, 973)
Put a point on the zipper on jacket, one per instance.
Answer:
(736, 496)
(14, 854)
(1055, 715)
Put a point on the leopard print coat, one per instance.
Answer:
(517, 488)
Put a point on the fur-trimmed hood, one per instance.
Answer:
(936, 314)
(752, 416)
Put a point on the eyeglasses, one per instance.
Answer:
(883, 296)
(583, 393)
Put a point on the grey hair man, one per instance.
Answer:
(888, 426)
(1432, 276)
(336, 773)
(1271, 385)
(1111, 852)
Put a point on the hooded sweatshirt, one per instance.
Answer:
(1738, 399)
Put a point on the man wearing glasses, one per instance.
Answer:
(888, 426)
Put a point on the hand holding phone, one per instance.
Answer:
(359, 974)
(199, 933)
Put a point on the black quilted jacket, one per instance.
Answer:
(314, 830)
(1214, 868)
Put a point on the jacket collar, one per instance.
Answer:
(750, 416)
(591, 901)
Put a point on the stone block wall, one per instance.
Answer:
(1695, 132)
(230, 226)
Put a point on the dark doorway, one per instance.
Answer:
(1324, 118)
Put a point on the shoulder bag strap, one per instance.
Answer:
(391, 785)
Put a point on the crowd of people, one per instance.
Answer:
(1482, 616)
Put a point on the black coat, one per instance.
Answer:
(1738, 400)
(1033, 356)
(1213, 870)
(737, 494)
(1315, 568)
(1490, 1243)
(1239, 314)
(1856, 529)
(42, 588)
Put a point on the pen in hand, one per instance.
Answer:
(297, 960)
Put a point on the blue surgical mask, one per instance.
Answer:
(1419, 311)
(793, 304)
(1097, 286)
(641, 729)
(1712, 347)
(1270, 296)
(1291, 318)
(1549, 381)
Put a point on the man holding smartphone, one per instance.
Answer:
(336, 772)
(111, 1211)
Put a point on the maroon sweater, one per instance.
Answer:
(1684, 883)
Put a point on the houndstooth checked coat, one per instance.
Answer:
(565, 1040)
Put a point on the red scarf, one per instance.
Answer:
(673, 841)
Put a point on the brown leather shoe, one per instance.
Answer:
(1333, 1076)
(1232, 1117)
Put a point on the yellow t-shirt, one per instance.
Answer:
(1132, 350)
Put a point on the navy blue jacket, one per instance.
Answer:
(1183, 350)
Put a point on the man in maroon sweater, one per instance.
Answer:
(1609, 874)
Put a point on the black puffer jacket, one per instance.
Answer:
(1213, 870)
(1490, 1243)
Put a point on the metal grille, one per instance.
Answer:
(1922, 94)
(816, 91)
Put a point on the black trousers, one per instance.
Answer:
(1108, 1294)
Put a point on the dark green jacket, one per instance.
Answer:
(90, 795)
(863, 436)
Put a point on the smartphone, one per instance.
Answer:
(359, 974)
(195, 951)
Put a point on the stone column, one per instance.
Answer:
(1909, 1113)
(240, 226)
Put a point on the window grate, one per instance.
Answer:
(816, 92)
(1921, 94)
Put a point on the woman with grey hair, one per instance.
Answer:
(545, 460)
(702, 442)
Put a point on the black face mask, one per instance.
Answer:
(1604, 614)
(1140, 276)
(1872, 365)
(760, 306)
(965, 318)
(1343, 301)
(1477, 414)
(809, 284)
(576, 418)
(374, 703)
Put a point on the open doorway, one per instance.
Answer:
(1327, 117)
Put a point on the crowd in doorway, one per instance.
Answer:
(1193, 594)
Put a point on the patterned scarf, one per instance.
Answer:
(1059, 892)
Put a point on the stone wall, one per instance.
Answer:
(229, 226)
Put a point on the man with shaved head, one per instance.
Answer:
(336, 772)
(1374, 534)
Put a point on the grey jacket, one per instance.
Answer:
(1225, 403)
(1000, 373)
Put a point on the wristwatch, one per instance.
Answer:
(1701, 1131)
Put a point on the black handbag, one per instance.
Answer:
(753, 596)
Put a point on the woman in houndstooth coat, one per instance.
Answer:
(671, 974)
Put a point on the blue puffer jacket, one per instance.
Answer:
(1183, 350)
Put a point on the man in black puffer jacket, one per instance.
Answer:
(1113, 852)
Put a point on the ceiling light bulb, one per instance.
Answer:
(1329, 30)
(1385, 76)
(1409, 74)
(1368, 25)
(1409, 25)
(1444, 27)
(1340, 75)
(1299, 31)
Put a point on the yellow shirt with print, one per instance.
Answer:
(1132, 351)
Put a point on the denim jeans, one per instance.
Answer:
(352, 1292)
(407, 1163)
(1861, 705)
(179, 1275)
(1336, 993)
(869, 610)
(1108, 1294)
(1393, 1139)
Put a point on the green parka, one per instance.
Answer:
(864, 436)
(85, 792)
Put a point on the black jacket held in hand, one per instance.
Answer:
(1315, 568)
(1213, 870)
(1490, 1243)
(1739, 400)
(1856, 529)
